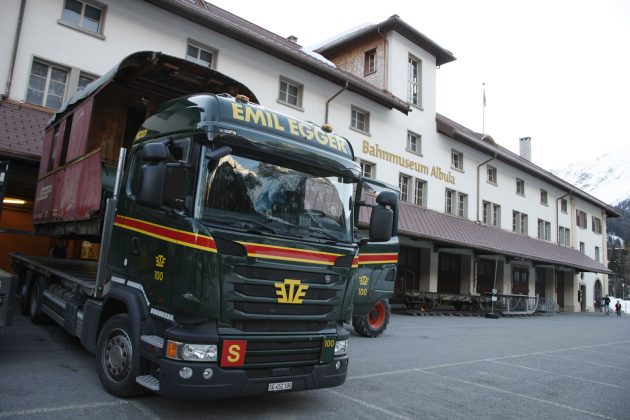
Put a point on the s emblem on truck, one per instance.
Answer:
(291, 291)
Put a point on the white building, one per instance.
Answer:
(468, 203)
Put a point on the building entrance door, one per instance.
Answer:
(485, 276)
(450, 273)
(597, 295)
(583, 298)
(520, 281)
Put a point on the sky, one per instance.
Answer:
(554, 70)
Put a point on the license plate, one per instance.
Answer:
(280, 386)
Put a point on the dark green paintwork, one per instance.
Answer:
(378, 287)
(201, 282)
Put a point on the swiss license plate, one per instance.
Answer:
(280, 386)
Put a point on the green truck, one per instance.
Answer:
(229, 237)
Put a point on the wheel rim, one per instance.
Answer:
(117, 354)
(376, 318)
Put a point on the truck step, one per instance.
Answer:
(153, 340)
(149, 381)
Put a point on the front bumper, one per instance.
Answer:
(231, 383)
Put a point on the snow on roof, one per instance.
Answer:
(342, 36)
(318, 57)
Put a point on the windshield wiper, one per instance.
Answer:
(244, 224)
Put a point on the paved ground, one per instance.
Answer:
(563, 367)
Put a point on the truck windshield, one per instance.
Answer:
(252, 195)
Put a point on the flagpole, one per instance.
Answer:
(483, 111)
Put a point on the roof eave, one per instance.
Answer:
(455, 134)
(442, 56)
(296, 58)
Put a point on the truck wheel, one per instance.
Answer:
(114, 358)
(375, 322)
(35, 300)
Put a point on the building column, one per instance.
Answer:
(571, 303)
(550, 284)
(433, 271)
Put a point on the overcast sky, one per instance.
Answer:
(556, 71)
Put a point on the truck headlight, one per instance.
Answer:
(191, 352)
(341, 347)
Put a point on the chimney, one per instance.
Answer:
(526, 148)
(292, 38)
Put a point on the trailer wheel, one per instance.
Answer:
(375, 322)
(115, 358)
(35, 300)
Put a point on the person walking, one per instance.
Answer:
(618, 308)
(607, 306)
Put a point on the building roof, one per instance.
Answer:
(393, 23)
(455, 231)
(235, 27)
(23, 130)
(486, 144)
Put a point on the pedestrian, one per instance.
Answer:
(607, 306)
(618, 308)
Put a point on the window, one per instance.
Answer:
(597, 253)
(520, 186)
(519, 222)
(596, 222)
(582, 248)
(84, 80)
(491, 214)
(369, 63)
(83, 15)
(448, 203)
(368, 169)
(544, 230)
(564, 236)
(456, 203)
(492, 175)
(413, 89)
(581, 218)
(403, 185)
(360, 120)
(421, 192)
(201, 55)
(563, 206)
(290, 93)
(457, 160)
(462, 205)
(46, 85)
(414, 143)
(543, 197)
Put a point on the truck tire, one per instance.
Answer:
(115, 351)
(374, 323)
(36, 299)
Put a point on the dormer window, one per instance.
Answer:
(369, 63)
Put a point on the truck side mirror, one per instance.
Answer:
(150, 186)
(154, 152)
(382, 219)
(381, 224)
(151, 177)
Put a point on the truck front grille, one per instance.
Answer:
(256, 293)
(270, 354)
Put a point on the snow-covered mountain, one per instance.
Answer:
(606, 177)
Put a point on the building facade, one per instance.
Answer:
(474, 216)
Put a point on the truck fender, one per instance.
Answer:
(119, 299)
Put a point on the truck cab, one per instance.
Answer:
(227, 245)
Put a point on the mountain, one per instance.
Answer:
(606, 177)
